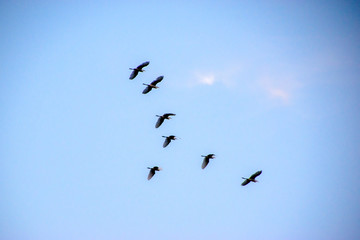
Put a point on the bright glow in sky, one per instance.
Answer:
(265, 85)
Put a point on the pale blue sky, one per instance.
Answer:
(265, 85)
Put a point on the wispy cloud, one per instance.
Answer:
(207, 79)
(280, 88)
(277, 86)
(220, 76)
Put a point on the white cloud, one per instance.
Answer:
(222, 76)
(208, 79)
(279, 87)
(279, 93)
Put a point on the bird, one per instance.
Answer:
(168, 140)
(251, 178)
(152, 84)
(162, 118)
(152, 171)
(137, 70)
(207, 159)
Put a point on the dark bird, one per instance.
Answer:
(162, 118)
(152, 171)
(207, 159)
(137, 70)
(168, 140)
(152, 85)
(251, 179)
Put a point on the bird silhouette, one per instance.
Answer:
(162, 118)
(251, 178)
(152, 171)
(152, 84)
(168, 140)
(207, 159)
(138, 69)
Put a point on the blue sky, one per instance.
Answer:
(265, 85)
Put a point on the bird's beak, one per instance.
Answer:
(160, 169)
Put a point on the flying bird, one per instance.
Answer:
(168, 140)
(207, 159)
(137, 70)
(152, 171)
(162, 118)
(251, 179)
(152, 85)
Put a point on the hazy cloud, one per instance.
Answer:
(226, 77)
(207, 79)
(279, 87)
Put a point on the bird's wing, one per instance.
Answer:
(205, 163)
(144, 64)
(169, 114)
(147, 89)
(133, 74)
(159, 122)
(156, 81)
(255, 174)
(151, 174)
(245, 182)
(166, 142)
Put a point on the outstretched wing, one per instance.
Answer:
(255, 174)
(133, 74)
(166, 142)
(144, 64)
(168, 114)
(205, 163)
(159, 122)
(151, 173)
(245, 182)
(147, 89)
(156, 81)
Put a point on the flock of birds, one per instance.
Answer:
(167, 116)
